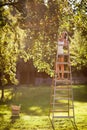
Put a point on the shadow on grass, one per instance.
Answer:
(74, 125)
(33, 100)
(14, 118)
(80, 93)
(36, 100)
(63, 124)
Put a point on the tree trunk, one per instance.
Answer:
(2, 93)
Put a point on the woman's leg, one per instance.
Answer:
(62, 67)
(58, 68)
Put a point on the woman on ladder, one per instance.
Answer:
(62, 41)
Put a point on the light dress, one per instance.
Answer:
(60, 48)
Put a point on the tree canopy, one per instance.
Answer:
(11, 45)
(79, 38)
(29, 30)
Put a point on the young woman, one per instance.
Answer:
(62, 41)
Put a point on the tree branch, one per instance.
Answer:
(4, 4)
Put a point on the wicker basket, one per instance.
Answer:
(15, 110)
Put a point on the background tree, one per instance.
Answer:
(42, 24)
(79, 38)
(11, 46)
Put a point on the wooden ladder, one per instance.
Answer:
(61, 101)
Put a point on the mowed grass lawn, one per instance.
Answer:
(35, 109)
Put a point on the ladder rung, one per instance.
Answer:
(59, 110)
(62, 87)
(62, 95)
(59, 89)
(63, 106)
(63, 99)
(63, 80)
(65, 63)
(63, 116)
(57, 83)
(67, 89)
(64, 72)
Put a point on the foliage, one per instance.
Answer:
(79, 50)
(42, 24)
(11, 45)
(79, 39)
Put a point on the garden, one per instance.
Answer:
(35, 105)
(29, 34)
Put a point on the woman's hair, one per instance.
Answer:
(65, 35)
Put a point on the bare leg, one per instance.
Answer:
(62, 67)
(57, 70)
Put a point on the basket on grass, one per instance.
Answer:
(15, 110)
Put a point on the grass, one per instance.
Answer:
(35, 109)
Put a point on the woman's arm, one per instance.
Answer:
(65, 42)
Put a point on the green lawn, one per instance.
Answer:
(35, 109)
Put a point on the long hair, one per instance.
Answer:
(65, 35)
